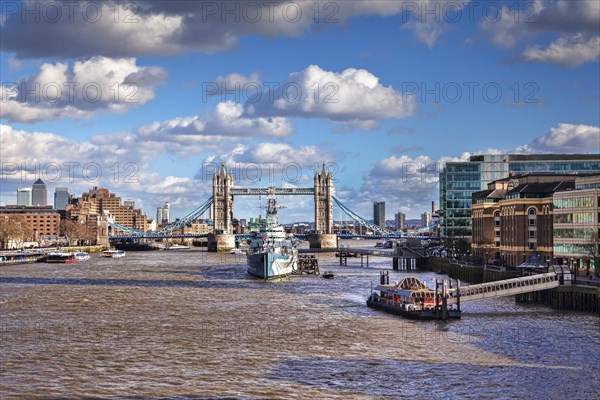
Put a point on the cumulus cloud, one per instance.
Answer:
(565, 51)
(118, 161)
(149, 27)
(576, 22)
(91, 85)
(565, 138)
(352, 97)
(227, 122)
(270, 161)
(406, 184)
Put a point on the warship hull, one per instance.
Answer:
(270, 265)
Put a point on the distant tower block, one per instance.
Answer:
(323, 202)
(222, 208)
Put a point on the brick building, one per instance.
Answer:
(512, 219)
(41, 220)
(102, 202)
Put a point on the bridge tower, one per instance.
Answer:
(323, 236)
(323, 202)
(222, 207)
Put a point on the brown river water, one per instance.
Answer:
(188, 324)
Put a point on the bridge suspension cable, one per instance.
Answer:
(361, 221)
(174, 226)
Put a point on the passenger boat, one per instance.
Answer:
(21, 257)
(271, 254)
(61, 258)
(81, 256)
(410, 298)
(113, 253)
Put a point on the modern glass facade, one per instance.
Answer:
(459, 180)
(576, 226)
(61, 198)
(24, 196)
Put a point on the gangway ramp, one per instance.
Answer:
(507, 287)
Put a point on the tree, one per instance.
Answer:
(593, 249)
(73, 230)
(13, 227)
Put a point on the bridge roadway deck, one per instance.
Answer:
(507, 287)
(267, 191)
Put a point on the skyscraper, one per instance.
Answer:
(163, 214)
(24, 196)
(159, 215)
(61, 198)
(166, 213)
(400, 219)
(39, 194)
(425, 219)
(379, 213)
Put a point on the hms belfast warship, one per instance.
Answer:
(271, 255)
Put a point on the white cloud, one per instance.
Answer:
(565, 138)
(576, 23)
(353, 97)
(271, 162)
(172, 27)
(91, 85)
(118, 161)
(406, 184)
(227, 122)
(565, 51)
(426, 32)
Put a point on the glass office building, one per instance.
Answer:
(576, 234)
(459, 180)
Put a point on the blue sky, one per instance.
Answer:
(409, 88)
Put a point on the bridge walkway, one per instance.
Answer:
(507, 287)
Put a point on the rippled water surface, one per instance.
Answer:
(188, 324)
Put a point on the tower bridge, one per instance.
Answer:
(221, 204)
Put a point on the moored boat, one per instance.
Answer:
(21, 257)
(328, 275)
(271, 254)
(113, 253)
(410, 298)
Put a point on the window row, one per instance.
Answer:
(578, 218)
(574, 202)
(580, 233)
(572, 248)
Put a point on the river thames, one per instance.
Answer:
(188, 324)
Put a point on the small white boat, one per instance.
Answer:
(236, 251)
(82, 255)
(176, 246)
(113, 253)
